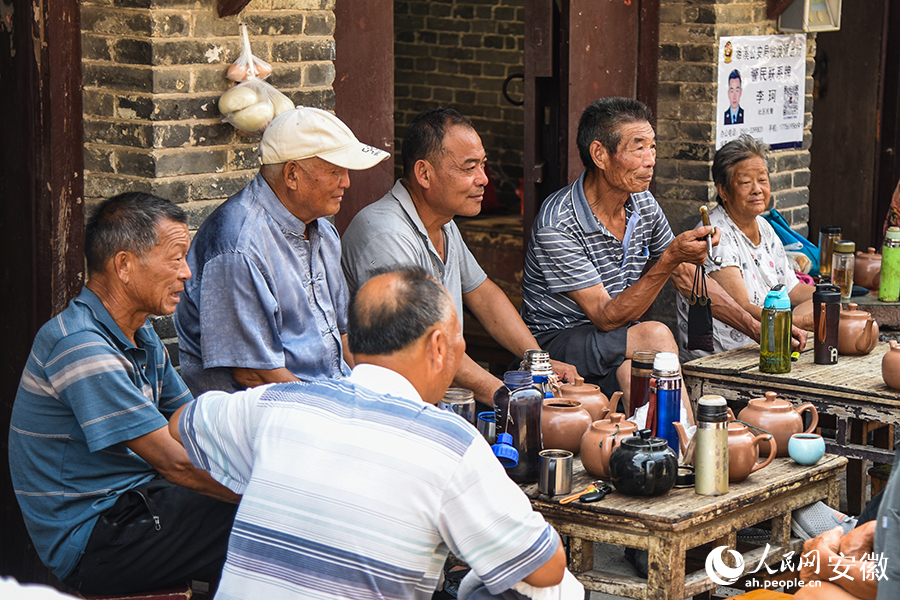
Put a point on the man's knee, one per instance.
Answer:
(653, 335)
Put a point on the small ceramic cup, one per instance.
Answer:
(806, 448)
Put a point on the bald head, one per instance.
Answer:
(393, 309)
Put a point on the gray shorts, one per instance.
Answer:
(596, 354)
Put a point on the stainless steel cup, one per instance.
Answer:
(487, 426)
(461, 401)
(556, 472)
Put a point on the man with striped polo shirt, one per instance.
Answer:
(601, 250)
(359, 487)
(111, 502)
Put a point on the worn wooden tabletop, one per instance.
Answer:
(681, 509)
(855, 375)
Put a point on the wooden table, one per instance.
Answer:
(670, 525)
(851, 393)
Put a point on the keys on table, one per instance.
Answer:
(592, 493)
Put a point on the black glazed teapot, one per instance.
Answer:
(642, 465)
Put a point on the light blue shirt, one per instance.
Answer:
(85, 391)
(267, 292)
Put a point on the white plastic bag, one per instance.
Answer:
(251, 106)
(247, 65)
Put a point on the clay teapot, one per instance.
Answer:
(600, 440)
(779, 418)
(592, 399)
(890, 366)
(857, 333)
(743, 451)
(643, 465)
(563, 423)
(867, 269)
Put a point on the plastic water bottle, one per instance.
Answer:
(775, 337)
(517, 409)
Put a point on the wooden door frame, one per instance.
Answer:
(42, 214)
(364, 93)
(570, 62)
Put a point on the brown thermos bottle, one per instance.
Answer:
(827, 315)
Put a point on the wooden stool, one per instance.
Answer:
(763, 595)
(178, 593)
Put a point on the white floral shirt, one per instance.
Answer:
(762, 266)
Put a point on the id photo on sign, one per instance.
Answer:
(760, 92)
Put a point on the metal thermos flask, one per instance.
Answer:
(541, 371)
(775, 337)
(827, 316)
(668, 397)
(711, 455)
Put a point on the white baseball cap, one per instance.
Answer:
(305, 132)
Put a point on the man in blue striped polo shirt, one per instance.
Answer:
(601, 250)
(112, 503)
(359, 487)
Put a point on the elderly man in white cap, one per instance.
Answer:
(268, 301)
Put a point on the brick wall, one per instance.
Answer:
(689, 41)
(457, 53)
(689, 35)
(153, 73)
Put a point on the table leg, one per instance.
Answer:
(581, 555)
(856, 490)
(665, 580)
(781, 529)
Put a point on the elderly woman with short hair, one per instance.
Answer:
(753, 258)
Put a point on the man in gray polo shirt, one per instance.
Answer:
(443, 176)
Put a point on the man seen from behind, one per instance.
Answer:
(359, 487)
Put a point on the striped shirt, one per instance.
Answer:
(86, 390)
(570, 249)
(352, 493)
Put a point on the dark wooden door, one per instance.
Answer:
(41, 213)
(577, 51)
(846, 132)
(887, 156)
(364, 93)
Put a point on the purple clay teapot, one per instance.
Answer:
(599, 441)
(592, 399)
(563, 423)
(890, 366)
(743, 451)
(857, 333)
(867, 269)
(779, 418)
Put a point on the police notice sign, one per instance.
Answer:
(761, 89)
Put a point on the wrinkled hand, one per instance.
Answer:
(798, 338)
(827, 544)
(564, 371)
(690, 246)
(859, 541)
